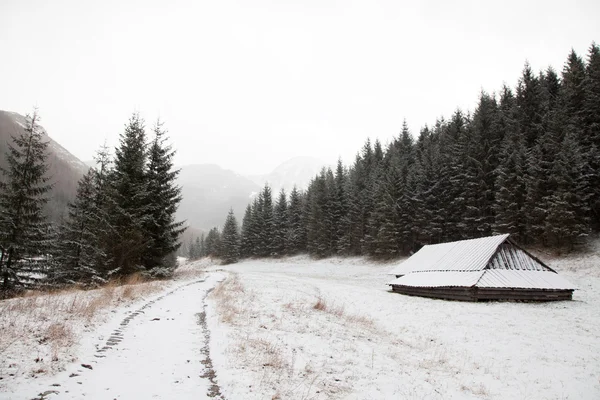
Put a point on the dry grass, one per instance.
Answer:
(227, 298)
(45, 326)
(339, 311)
(193, 269)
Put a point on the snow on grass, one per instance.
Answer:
(41, 333)
(155, 352)
(297, 328)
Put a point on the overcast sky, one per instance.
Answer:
(250, 84)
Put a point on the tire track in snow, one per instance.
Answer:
(206, 372)
(214, 390)
(117, 335)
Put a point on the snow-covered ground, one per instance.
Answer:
(297, 328)
(132, 341)
(303, 329)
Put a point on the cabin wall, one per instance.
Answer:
(483, 294)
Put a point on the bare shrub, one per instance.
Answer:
(320, 305)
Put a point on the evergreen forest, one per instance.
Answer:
(526, 162)
(122, 220)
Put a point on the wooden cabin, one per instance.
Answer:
(489, 268)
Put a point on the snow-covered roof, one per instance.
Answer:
(498, 278)
(464, 255)
(489, 262)
(489, 278)
(439, 279)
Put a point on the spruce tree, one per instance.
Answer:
(572, 97)
(230, 240)
(296, 239)
(163, 197)
(246, 242)
(257, 245)
(280, 225)
(192, 251)
(591, 116)
(23, 189)
(79, 255)
(319, 228)
(566, 222)
(266, 223)
(339, 206)
(354, 223)
(529, 106)
(509, 202)
(129, 209)
(201, 246)
(510, 195)
(212, 244)
(385, 218)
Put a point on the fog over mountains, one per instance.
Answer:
(209, 191)
(297, 171)
(65, 169)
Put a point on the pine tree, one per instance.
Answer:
(529, 106)
(80, 256)
(481, 145)
(296, 239)
(230, 240)
(511, 189)
(246, 242)
(23, 190)
(212, 245)
(339, 206)
(192, 252)
(319, 228)
(266, 223)
(280, 226)
(353, 224)
(105, 203)
(567, 220)
(385, 218)
(591, 117)
(257, 244)
(572, 97)
(163, 197)
(452, 196)
(510, 185)
(129, 211)
(201, 246)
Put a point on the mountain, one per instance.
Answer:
(209, 191)
(297, 171)
(65, 169)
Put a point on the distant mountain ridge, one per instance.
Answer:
(297, 171)
(209, 191)
(65, 169)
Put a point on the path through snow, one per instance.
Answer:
(158, 351)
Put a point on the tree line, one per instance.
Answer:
(122, 219)
(526, 161)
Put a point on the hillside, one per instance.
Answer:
(65, 169)
(209, 191)
(297, 171)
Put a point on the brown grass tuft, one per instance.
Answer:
(320, 304)
(227, 296)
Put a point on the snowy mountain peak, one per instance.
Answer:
(297, 171)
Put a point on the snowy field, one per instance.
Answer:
(297, 328)
(304, 329)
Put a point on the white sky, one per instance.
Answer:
(250, 84)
